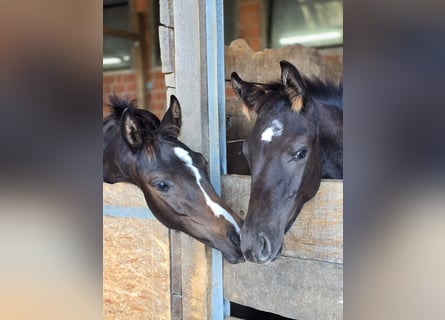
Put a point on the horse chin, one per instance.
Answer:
(233, 256)
(233, 259)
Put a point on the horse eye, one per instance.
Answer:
(300, 154)
(161, 186)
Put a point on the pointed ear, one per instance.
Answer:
(245, 91)
(294, 83)
(173, 115)
(132, 130)
(290, 77)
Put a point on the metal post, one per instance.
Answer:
(216, 113)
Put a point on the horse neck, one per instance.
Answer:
(330, 124)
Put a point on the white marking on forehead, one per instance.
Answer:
(275, 130)
(216, 208)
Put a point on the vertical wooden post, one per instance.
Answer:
(191, 90)
(199, 85)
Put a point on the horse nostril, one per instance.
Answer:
(264, 248)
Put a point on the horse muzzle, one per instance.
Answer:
(259, 250)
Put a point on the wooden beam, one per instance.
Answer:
(121, 33)
(191, 90)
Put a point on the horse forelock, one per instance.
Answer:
(272, 93)
(119, 105)
(162, 135)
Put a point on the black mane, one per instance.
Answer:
(326, 91)
(118, 106)
(323, 91)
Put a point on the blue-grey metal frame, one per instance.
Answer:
(217, 131)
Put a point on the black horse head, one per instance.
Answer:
(296, 140)
(145, 151)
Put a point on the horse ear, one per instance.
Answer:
(246, 91)
(291, 79)
(132, 130)
(173, 115)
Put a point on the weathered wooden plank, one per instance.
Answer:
(318, 231)
(167, 47)
(190, 71)
(175, 274)
(120, 33)
(306, 281)
(136, 259)
(166, 13)
(263, 66)
(175, 249)
(123, 195)
(195, 278)
(136, 266)
(176, 308)
(191, 90)
(292, 287)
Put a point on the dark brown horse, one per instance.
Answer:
(145, 151)
(296, 141)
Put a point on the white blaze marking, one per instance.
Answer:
(275, 130)
(216, 208)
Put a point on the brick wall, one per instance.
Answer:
(250, 23)
(124, 82)
(121, 83)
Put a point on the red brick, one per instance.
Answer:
(250, 33)
(131, 87)
(254, 19)
(255, 44)
(230, 93)
(140, 5)
(108, 79)
(158, 76)
(247, 8)
(158, 96)
(157, 90)
(129, 78)
(118, 88)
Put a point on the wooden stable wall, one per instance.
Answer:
(306, 281)
(136, 257)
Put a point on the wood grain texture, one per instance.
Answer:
(136, 267)
(263, 66)
(123, 195)
(306, 281)
(318, 231)
(195, 271)
(291, 287)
